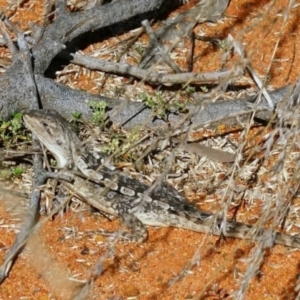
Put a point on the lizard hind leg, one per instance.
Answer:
(138, 232)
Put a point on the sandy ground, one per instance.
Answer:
(62, 249)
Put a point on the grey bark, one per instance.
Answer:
(16, 91)
(68, 26)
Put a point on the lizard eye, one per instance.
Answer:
(59, 142)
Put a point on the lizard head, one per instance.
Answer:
(54, 132)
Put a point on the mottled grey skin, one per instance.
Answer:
(112, 192)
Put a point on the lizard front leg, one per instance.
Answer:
(112, 203)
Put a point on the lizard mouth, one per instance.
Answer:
(47, 136)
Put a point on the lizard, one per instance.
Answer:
(114, 193)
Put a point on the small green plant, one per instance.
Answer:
(140, 50)
(99, 112)
(5, 174)
(224, 45)
(204, 89)
(17, 171)
(53, 163)
(76, 115)
(120, 143)
(160, 107)
(190, 90)
(11, 173)
(76, 120)
(12, 130)
(113, 145)
(131, 139)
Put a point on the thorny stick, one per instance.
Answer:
(29, 227)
